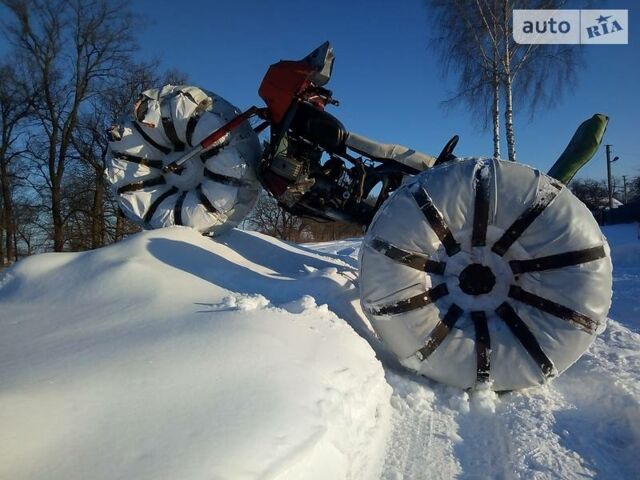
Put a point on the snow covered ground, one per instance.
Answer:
(171, 355)
(586, 423)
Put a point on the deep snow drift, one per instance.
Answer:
(171, 355)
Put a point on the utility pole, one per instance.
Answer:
(609, 162)
(624, 183)
(608, 147)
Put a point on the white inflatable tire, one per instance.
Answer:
(485, 272)
(214, 191)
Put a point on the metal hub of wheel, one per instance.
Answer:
(188, 177)
(477, 279)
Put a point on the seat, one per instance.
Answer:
(388, 151)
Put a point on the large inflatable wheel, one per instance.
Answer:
(485, 271)
(213, 192)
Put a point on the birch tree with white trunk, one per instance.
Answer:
(468, 42)
(476, 47)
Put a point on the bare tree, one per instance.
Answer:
(633, 189)
(30, 221)
(477, 46)
(330, 231)
(16, 103)
(71, 48)
(537, 74)
(469, 47)
(267, 217)
(593, 193)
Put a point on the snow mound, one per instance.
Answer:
(171, 355)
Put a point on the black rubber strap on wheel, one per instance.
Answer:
(517, 228)
(526, 338)
(172, 135)
(151, 141)
(187, 94)
(191, 126)
(437, 223)
(139, 160)
(565, 313)
(141, 107)
(168, 125)
(224, 179)
(205, 200)
(412, 303)
(482, 183)
(560, 260)
(177, 210)
(156, 203)
(404, 257)
(210, 153)
(440, 332)
(483, 347)
(132, 187)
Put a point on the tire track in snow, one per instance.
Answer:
(513, 436)
(585, 424)
(424, 431)
(601, 418)
(441, 432)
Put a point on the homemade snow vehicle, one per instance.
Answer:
(473, 271)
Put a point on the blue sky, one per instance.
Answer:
(386, 76)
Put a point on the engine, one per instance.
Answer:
(308, 182)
